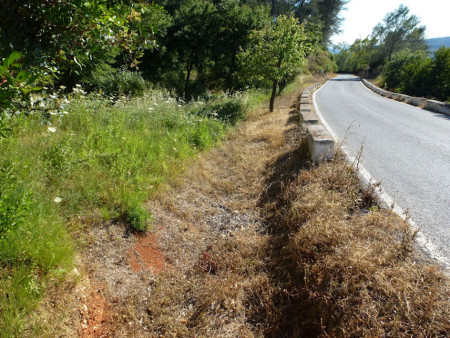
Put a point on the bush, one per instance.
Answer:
(321, 62)
(229, 110)
(417, 74)
(113, 81)
(442, 74)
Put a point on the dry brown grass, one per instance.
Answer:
(350, 271)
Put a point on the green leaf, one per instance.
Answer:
(13, 57)
(22, 76)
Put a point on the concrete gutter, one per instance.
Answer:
(320, 143)
(421, 102)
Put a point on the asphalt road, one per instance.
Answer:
(405, 148)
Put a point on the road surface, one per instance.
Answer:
(405, 148)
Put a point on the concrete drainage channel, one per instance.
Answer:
(320, 142)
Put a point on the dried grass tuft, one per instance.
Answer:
(352, 271)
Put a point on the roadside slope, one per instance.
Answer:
(255, 242)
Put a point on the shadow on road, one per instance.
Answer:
(348, 79)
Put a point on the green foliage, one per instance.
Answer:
(134, 214)
(324, 14)
(230, 110)
(417, 74)
(441, 88)
(111, 81)
(67, 37)
(321, 62)
(399, 31)
(16, 84)
(201, 45)
(15, 201)
(277, 52)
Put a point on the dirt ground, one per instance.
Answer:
(199, 269)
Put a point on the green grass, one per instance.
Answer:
(100, 161)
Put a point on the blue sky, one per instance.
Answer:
(362, 15)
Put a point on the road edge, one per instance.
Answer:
(429, 248)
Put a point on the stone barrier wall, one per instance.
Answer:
(320, 143)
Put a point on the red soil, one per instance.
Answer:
(145, 254)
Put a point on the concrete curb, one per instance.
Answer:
(421, 102)
(320, 143)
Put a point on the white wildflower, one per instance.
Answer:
(57, 200)
(52, 129)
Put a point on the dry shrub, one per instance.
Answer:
(351, 271)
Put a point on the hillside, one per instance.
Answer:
(435, 43)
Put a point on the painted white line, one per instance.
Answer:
(430, 248)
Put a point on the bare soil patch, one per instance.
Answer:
(145, 254)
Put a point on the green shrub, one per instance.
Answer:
(113, 81)
(417, 74)
(134, 214)
(441, 89)
(229, 110)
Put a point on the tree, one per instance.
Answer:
(441, 89)
(192, 36)
(321, 12)
(200, 49)
(276, 52)
(69, 36)
(329, 15)
(399, 31)
(400, 72)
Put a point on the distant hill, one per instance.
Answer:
(435, 43)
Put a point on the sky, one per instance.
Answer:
(362, 15)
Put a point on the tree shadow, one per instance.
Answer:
(355, 79)
(293, 119)
(287, 316)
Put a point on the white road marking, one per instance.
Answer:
(421, 239)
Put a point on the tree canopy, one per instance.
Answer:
(120, 46)
(276, 52)
(399, 31)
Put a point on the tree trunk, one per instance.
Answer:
(274, 93)
(188, 75)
